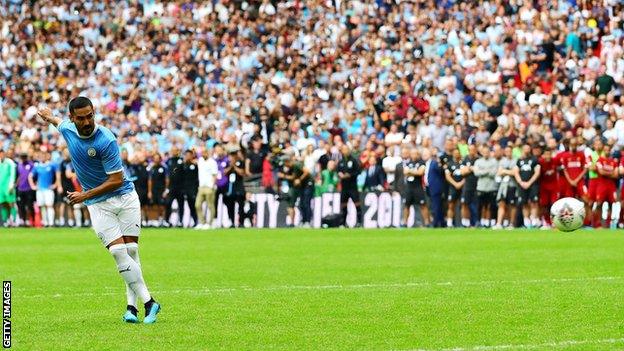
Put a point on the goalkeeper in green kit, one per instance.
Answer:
(8, 170)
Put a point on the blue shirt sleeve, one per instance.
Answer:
(63, 126)
(111, 160)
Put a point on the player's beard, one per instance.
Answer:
(87, 130)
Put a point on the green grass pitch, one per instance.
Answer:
(323, 290)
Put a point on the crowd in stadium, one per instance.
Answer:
(493, 108)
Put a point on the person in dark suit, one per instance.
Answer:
(375, 176)
(434, 186)
(399, 178)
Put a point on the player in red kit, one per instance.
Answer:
(607, 168)
(573, 167)
(549, 184)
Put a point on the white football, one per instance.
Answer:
(567, 214)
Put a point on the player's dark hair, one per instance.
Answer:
(79, 102)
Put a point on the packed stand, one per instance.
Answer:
(478, 113)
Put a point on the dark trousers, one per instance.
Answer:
(473, 208)
(230, 202)
(26, 204)
(179, 197)
(305, 203)
(436, 209)
(353, 194)
(190, 198)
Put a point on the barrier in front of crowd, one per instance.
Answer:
(379, 209)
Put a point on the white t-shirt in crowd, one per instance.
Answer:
(389, 164)
(207, 170)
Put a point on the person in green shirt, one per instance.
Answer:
(329, 179)
(8, 170)
(604, 83)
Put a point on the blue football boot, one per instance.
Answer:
(151, 310)
(131, 315)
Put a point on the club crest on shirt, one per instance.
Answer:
(91, 152)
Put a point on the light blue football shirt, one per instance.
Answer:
(45, 173)
(94, 158)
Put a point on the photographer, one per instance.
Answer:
(235, 190)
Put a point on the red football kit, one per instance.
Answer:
(574, 164)
(549, 182)
(606, 187)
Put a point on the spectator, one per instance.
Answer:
(175, 165)
(414, 194)
(527, 172)
(485, 169)
(433, 180)
(456, 182)
(375, 176)
(235, 195)
(190, 185)
(25, 192)
(469, 192)
(207, 170)
(348, 170)
(157, 188)
(42, 179)
(506, 195)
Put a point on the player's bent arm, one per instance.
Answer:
(304, 175)
(567, 176)
(581, 175)
(538, 171)
(114, 181)
(447, 176)
(420, 171)
(149, 186)
(46, 114)
(516, 174)
(248, 167)
(31, 181)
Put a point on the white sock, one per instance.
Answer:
(616, 207)
(78, 215)
(465, 222)
(130, 271)
(43, 213)
(605, 211)
(449, 222)
(133, 251)
(527, 221)
(50, 212)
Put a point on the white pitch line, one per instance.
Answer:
(554, 344)
(217, 290)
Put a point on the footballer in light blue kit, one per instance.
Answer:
(109, 195)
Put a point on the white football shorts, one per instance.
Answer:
(45, 197)
(116, 216)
